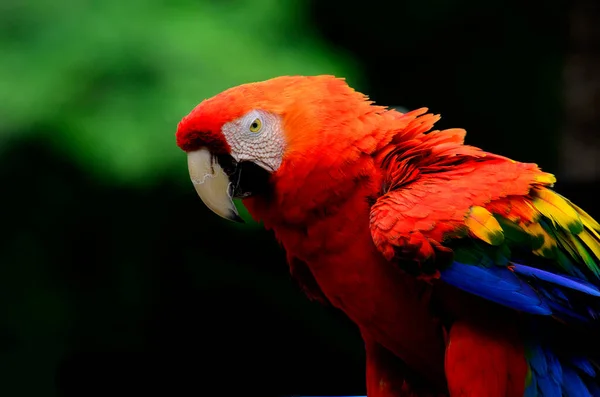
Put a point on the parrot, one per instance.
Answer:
(464, 271)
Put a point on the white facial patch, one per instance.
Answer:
(257, 137)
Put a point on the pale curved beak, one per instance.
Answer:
(212, 184)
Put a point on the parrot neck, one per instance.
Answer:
(320, 215)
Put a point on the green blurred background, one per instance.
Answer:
(114, 278)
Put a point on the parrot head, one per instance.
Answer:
(240, 142)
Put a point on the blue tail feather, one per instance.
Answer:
(584, 365)
(593, 387)
(557, 376)
(573, 386)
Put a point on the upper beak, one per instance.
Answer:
(212, 184)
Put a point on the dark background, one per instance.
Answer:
(114, 278)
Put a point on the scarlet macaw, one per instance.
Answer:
(466, 274)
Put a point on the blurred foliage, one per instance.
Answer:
(108, 81)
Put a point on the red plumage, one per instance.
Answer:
(365, 199)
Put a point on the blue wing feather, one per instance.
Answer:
(560, 280)
(497, 284)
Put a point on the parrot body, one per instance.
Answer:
(465, 273)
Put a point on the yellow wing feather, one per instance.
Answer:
(538, 232)
(556, 208)
(571, 229)
(484, 226)
(545, 178)
(590, 223)
(590, 242)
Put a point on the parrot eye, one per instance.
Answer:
(256, 125)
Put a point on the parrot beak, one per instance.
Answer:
(212, 184)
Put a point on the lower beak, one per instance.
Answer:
(212, 184)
